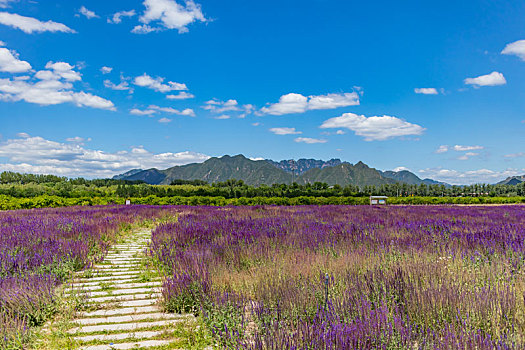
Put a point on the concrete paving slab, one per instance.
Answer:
(122, 326)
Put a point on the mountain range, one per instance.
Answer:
(513, 180)
(268, 172)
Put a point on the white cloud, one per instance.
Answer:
(2, 43)
(460, 148)
(374, 128)
(515, 155)
(290, 103)
(50, 87)
(164, 120)
(492, 79)
(442, 149)
(156, 109)
(516, 48)
(285, 131)
(50, 92)
(106, 70)
(340, 132)
(148, 112)
(426, 91)
(309, 140)
(183, 95)
(186, 112)
(401, 168)
(220, 106)
(77, 139)
(38, 155)
(157, 84)
(32, 25)
(222, 117)
(10, 63)
(256, 124)
(456, 177)
(61, 70)
(87, 13)
(468, 155)
(331, 101)
(297, 103)
(217, 106)
(122, 86)
(117, 17)
(168, 14)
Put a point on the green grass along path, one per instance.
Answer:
(119, 303)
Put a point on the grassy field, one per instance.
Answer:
(338, 277)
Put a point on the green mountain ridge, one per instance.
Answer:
(264, 172)
(512, 180)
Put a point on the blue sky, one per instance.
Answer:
(94, 88)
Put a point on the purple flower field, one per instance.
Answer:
(40, 248)
(343, 277)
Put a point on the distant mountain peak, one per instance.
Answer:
(302, 165)
(258, 172)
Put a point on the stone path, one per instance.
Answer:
(122, 310)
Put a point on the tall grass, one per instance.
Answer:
(398, 277)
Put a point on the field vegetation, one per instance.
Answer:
(343, 277)
(39, 249)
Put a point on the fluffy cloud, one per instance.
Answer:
(442, 149)
(157, 84)
(59, 70)
(309, 140)
(122, 86)
(32, 25)
(164, 120)
(50, 87)
(222, 117)
(297, 103)
(2, 43)
(106, 70)
(186, 112)
(426, 91)
(468, 155)
(38, 155)
(49, 92)
(168, 14)
(216, 106)
(456, 177)
(117, 17)
(374, 128)
(10, 63)
(87, 13)
(156, 109)
(285, 131)
(148, 112)
(460, 148)
(183, 95)
(516, 48)
(492, 79)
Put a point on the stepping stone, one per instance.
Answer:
(127, 318)
(119, 336)
(123, 326)
(152, 298)
(132, 303)
(124, 346)
(121, 311)
(125, 291)
(112, 278)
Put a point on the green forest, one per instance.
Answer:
(18, 191)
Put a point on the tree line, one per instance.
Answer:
(29, 185)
